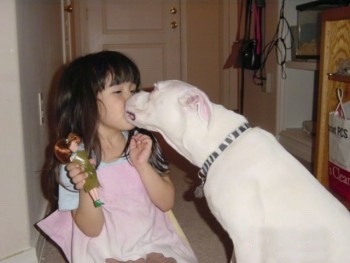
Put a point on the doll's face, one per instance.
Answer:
(73, 146)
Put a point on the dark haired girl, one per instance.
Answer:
(134, 183)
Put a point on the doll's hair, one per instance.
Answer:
(62, 146)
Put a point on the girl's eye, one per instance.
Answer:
(133, 91)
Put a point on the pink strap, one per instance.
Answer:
(257, 27)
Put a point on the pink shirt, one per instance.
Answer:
(134, 226)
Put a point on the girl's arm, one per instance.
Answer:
(159, 188)
(87, 217)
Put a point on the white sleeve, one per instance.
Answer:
(68, 196)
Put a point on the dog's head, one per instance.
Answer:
(175, 109)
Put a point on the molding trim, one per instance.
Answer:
(229, 77)
(28, 256)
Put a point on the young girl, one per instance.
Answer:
(134, 182)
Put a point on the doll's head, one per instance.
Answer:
(65, 147)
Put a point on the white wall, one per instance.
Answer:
(30, 50)
(299, 86)
(204, 43)
(260, 107)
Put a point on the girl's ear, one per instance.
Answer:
(196, 100)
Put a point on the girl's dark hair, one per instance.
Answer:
(74, 108)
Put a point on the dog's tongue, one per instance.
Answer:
(130, 115)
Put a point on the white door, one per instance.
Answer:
(148, 31)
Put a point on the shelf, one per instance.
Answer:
(305, 65)
(298, 143)
(340, 78)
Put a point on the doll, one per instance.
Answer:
(72, 150)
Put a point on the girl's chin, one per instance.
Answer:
(129, 126)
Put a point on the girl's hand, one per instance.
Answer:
(140, 149)
(77, 174)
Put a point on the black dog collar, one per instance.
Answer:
(202, 174)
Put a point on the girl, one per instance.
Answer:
(134, 182)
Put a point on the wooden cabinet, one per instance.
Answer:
(335, 45)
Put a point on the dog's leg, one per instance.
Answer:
(246, 252)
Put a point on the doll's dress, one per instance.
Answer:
(134, 226)
(80, 157)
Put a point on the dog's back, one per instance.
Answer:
(271, 205)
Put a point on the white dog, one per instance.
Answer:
(274, 210)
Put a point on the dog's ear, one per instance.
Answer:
(196, 100)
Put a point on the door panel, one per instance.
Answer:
(142, 30)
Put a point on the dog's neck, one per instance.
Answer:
(200, 142)
(230, 138)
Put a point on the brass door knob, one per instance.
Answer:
(68, 8)
(173, 10)
(173, 25)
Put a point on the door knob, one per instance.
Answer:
(68, 8)
(173, 10)
(173, 24)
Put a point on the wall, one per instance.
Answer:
(259, 107)
(204, 57)
(204, 36)
(276, 110)
(11, 141)
(299, 85)
(30, 54)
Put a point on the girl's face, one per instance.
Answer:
(111, 103)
